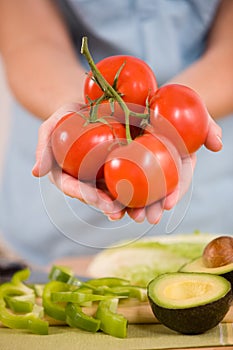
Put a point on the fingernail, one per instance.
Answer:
(110, 218)
(114, 217)
(34, 172)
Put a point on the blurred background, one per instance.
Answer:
(4, 113)
(4, 125)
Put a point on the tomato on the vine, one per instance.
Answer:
(130, 76)
(80, 147)
(183, 108)
(142, 172)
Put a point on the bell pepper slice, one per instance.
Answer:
(130, 292)
(19, 297)
(30, 321)
(60, 273)
(38, 289)
(21, 303)
(75, 282)
(76, 297)
(112, 323)
(107, 281)
(20, 276)
(52, 309)
(76, 318)
(64, 274)
(16, 286)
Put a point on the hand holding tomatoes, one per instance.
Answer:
(137, 153)
(46, 164)
(142, 172)
(80, 145)
(185, 111)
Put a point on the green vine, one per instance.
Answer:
(109, 92)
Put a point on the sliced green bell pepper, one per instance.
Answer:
(76, 297)
(112, 323)
(64, 274)
(60, 273)
(30, 321)
(76, 318)
(52, 309)
(21, 303)
(21, 298)
(108, 281)
(129, 291)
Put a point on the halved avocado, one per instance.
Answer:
(197, 265)
(189, 303)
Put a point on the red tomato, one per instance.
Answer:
(185, 111)
(142, 172)
(135, 83)
(81, 147)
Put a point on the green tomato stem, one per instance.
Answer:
(106, 87)
(94, 109)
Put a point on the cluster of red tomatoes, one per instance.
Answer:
(133, 143)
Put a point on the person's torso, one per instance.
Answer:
(168, 34)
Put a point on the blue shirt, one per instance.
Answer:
(39, 221)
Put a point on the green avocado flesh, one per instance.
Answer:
(189, 303)
(197, 265)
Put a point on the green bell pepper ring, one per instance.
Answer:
(28, 321)
(52, 309)
(15, 286)
(108, 281)
(60, 273)
(38, 289)
(130, 291)
(21, 303)
(76, 318)
(17, 296)
(20, 276)
(20, 298)
(111, 323)
(64, 274)
(76, 297)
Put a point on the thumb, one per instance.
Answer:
(44, 155)
(214, 137)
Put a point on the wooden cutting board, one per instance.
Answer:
(142, 313)
(137, 313)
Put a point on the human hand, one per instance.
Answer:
(153, 212)
(214, 137)
(46, 164)
(87, 193)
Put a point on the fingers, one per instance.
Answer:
(214, 137)
(152, 213)
(137, 214)
(186, 175)
(70, 186)
(87, 193)
(100, 198)
(44, 155)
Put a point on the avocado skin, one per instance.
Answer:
(229, 277)
(194, 320)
